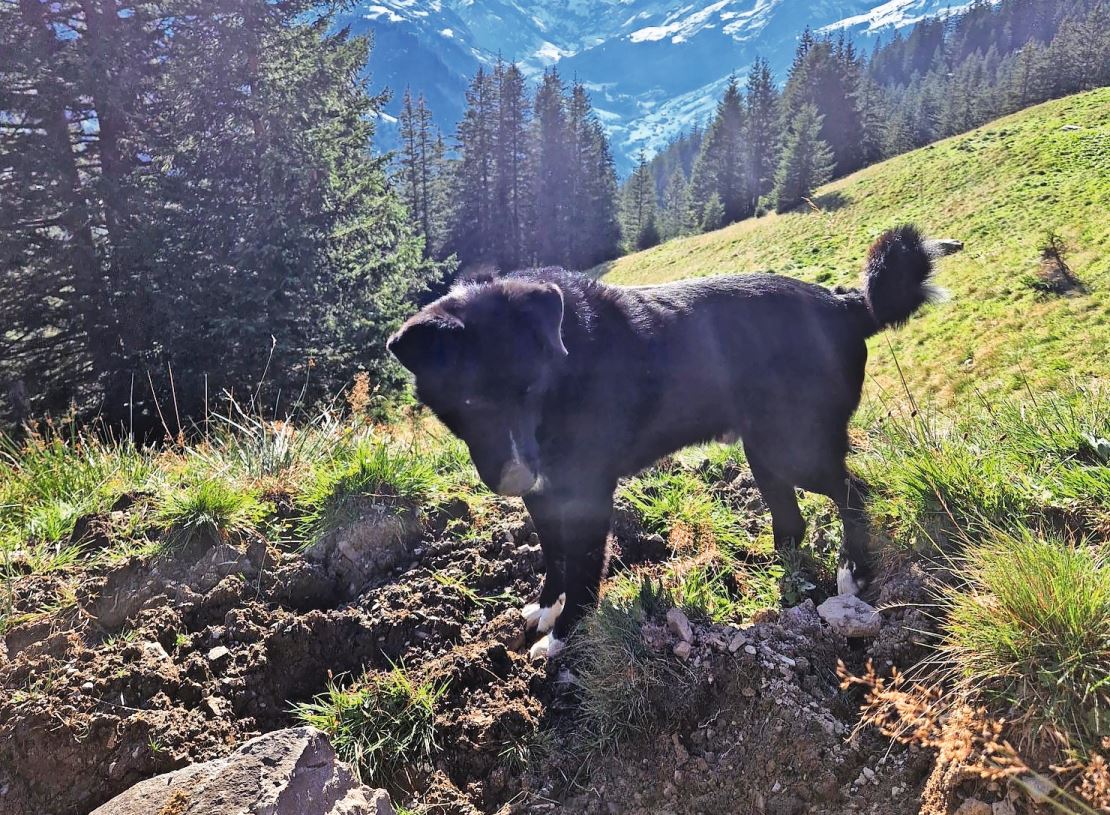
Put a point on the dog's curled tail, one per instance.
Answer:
(897, 274)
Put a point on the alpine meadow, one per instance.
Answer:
(429, 407)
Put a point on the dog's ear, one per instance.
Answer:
(544, 304)
(426, 340)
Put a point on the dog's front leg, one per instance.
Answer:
(547, 517)
(584, 529)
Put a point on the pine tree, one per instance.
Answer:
(594, 225)
(426, 169)
(675, 218)
(712, 214)
(806, 163)
(409, 175)
(195, 198)
(649, 234)
(638, 212)
(441, 189)
(473, 238)
(551, 183)
(512, 197)
(722, 166)
(826, 75)
(761, 131)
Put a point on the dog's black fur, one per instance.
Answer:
(560, 385)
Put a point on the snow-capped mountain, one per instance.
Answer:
(654, 67)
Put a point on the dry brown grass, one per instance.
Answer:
(967, 735)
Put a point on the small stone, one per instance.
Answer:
(749, 650)
(218, 653)
(869, 774)
(682, 650)
(1003, 807)
(849, 616)
(88, 687)
(1037, 788)
(973, 806)
(155, 651)
(679, 625)
(737, 642)
(681, 755)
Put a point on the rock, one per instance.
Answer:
(380, 538)
(218, 653)
(1070, 127)
(679, 625)
(973, 806)
(682, 650)
(1003, 807)
(849, 616)
(737, 642)
(287, 772)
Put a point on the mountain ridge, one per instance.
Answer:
(653, 67)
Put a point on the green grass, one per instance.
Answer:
(1001, 189)
(383, 725)
(1037, 464)
(273, 453)
(210, 509)
(49, 481)
(373, 469)
(1029, 631)
(676, 503)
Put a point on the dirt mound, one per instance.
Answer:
(771, 732)
(163, 661)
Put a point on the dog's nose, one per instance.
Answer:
(516, 478)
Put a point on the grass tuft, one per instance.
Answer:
(1030, 631)
(210, 509)
(383, 725)
(1034, 463)
(371, 469)
(627, 688)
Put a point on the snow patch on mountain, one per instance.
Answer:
(894, 14)
(680, 28)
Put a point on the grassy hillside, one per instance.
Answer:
(355, 575)
(1001, 189)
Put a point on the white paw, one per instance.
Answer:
(543, 619)
(546, 647)
(531, 614)
(845, 582)
(548, 616)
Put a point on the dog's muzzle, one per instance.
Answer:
(516, 478)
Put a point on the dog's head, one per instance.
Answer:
(484, 357)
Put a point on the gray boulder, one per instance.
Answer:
(849, 616)
(287, 772)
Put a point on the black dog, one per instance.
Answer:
(560, 385)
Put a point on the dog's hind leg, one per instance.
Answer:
(786, 518)
(854, 572)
